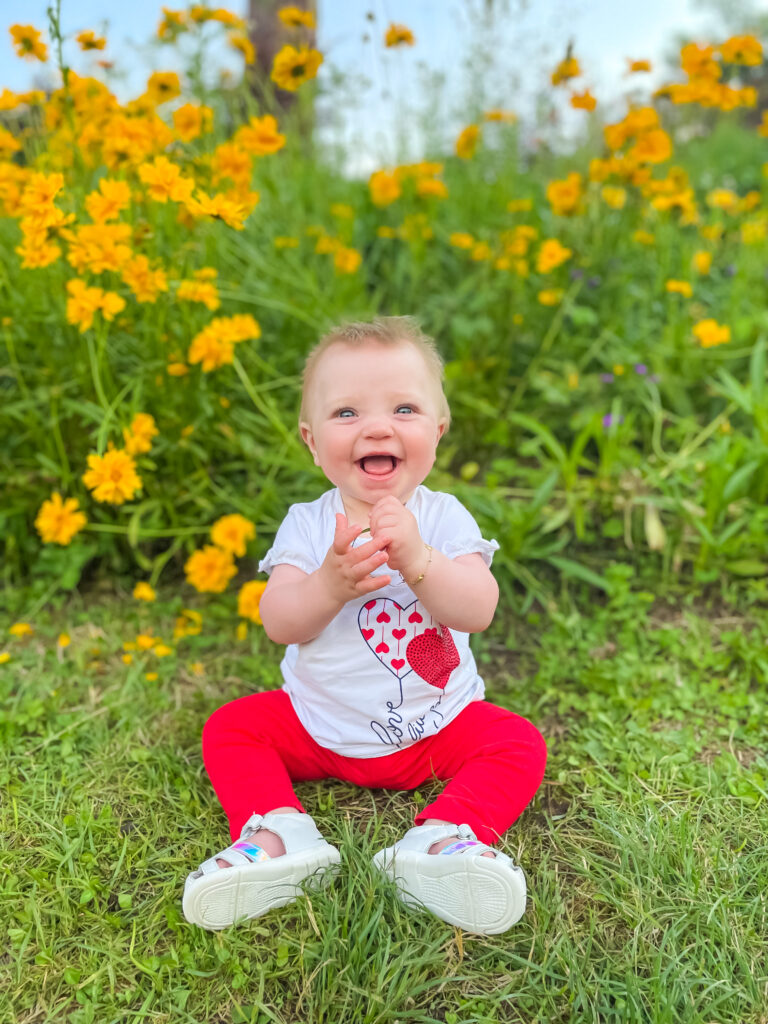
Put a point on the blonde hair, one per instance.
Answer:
(386, 330)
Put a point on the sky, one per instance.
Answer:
(454, 51)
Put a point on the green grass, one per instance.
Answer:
(644, 849)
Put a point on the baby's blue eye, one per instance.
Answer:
(408, 407)
(343, 412)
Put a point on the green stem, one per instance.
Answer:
(546, 344)
(263, 406)
(188, 531)
(93, 359)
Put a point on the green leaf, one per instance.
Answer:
(579, 572)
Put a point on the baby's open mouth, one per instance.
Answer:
(378, 465)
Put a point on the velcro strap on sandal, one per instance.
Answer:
(461, 846)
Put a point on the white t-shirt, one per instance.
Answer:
(383, 673)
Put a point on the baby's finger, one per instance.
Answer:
(344, 534)
(369, 548)
(366, 567)
(369, 583)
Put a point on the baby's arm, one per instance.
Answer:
(460, 593)
(296, 606)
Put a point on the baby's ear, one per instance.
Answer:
(307, 437)
(442, 426)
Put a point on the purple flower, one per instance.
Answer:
(606, 378)
(641, 368)
(594, 282)
(609, 419)
(576, 274)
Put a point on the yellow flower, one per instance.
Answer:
(702, 261)
(564, 196)
(583, 100)
(19, 629)
(146, 641)
(144, 592)
(163, 86)
(240, 42)
(293, 66)
(27, 42)
(189, 623)
(151, 677)
(138, 437)
(210, 569)
(127, 659)
(461, 240)
(551, 254)
(88, 41)
(112, 476)
(232, 532)
(652, 147)
(192, 120)
(199, 291)
(710, 333)
(384, 188)
(618, 370)
(162, 651)
(248, 600)
(399, 35)
(480, 251)
(638, 65)
(214, 345)
(294, 17)
(519, 205)
(573, 380)
(742, 50)
(58, 521)
(466, 144)
(614, 196)
(145, 283)
(242, 630)
(172, 24)
(679, 288)
(644, 237)
(285, 242)
(231, 209)
(166, 181)
(64, 640)
(566, 69)
(550, 296)
(260, 136)
(723, 199)
(503, 116)
(106, 204)
(4, 657)
(346, 260)
(432, 187)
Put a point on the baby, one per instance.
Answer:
(374, 588)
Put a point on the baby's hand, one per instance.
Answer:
(346, 570)
(405, 549)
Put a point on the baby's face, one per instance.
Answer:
(373, 420)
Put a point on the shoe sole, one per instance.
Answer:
(217, 900)
(478, 894)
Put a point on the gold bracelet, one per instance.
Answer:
(429, 559)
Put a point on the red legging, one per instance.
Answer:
(255, 746)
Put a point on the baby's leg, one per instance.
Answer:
(253, 749)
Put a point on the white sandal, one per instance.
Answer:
(480, 894)
(215, 897)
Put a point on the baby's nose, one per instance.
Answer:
(377, 426)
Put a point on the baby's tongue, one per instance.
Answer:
(377, 465)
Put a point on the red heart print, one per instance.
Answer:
(433, 656)
(386, 627)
